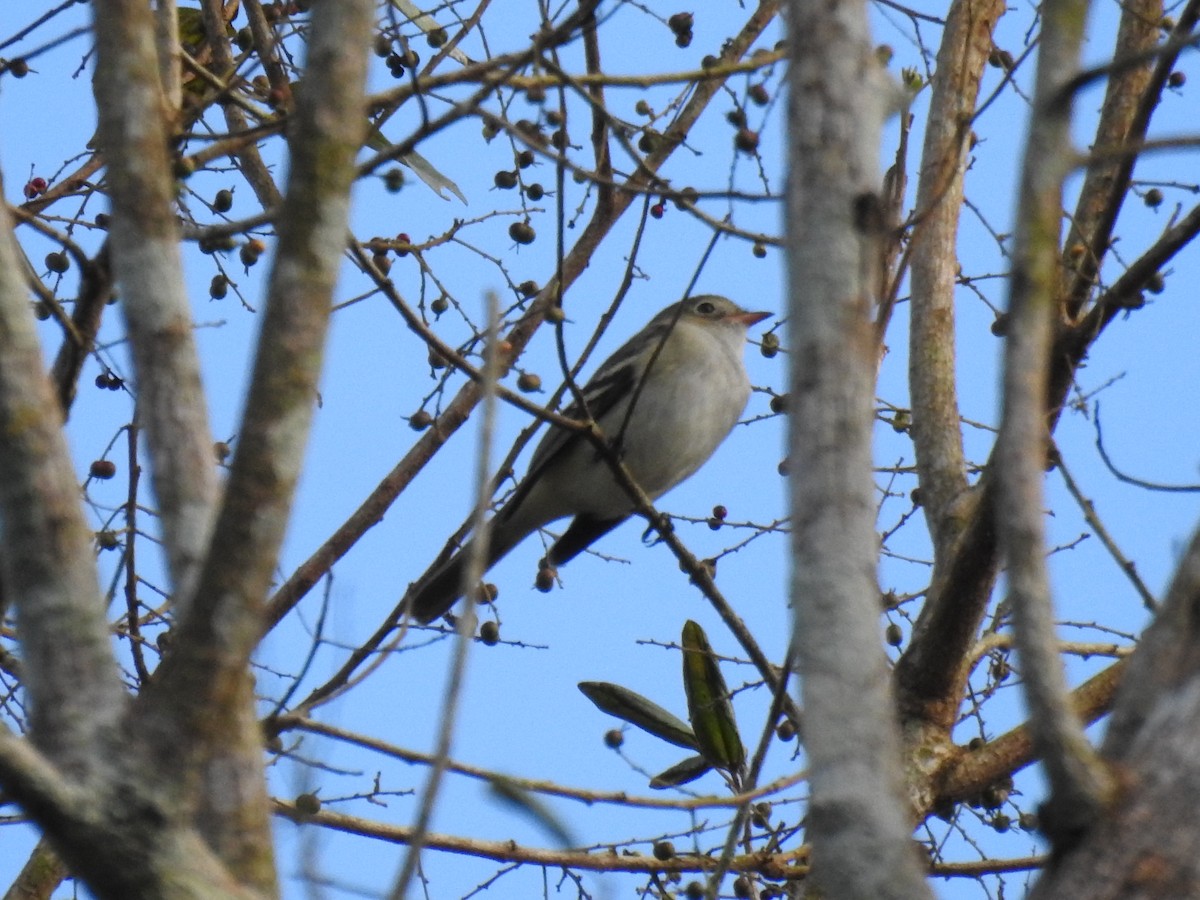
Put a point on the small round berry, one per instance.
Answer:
(505, 180)
(58, 262)
(785, 731)
(249, 252)
(893, 635)
(535, 192)
(664, 850)
(687, 196)
(1176, 79)
(1153, 198)
(382, 46)
(223, 201)
(436, 38)
(545, 579)
(403, 244)
(439, 306)
(1000, 325)
(489, 633)
(1155, 283)
(681, 21)
(522, 232)
(524, 159)
(720, 512)
(741, 887)
(657, 210)
(614, 738)
(18, 67)
(528, 288)
(221, 451)
(759, 250)
(529, 383)
(746, 140)
(779, 403)
(184, 168)
(535, 94)
(107, 540)
(308, 804)
(530, 130)
(769, 346)
(102, 220)
(218, 287)
(102, 469)
(759, 95)
(642, 108)
(393, 180)
(761, 817)
(420, 420)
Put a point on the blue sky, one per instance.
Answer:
(522, 713)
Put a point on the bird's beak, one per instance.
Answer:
(750, 318)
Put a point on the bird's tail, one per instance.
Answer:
(437, 590)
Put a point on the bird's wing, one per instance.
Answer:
(609, 387)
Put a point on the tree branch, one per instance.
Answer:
(1080, 786)
(858, 817)
(144, 239)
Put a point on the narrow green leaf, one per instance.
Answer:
(533, 807)
(708, 702)
(635, 709)
(681, 773)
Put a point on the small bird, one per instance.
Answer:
(685, 375)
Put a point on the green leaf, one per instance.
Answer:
(637, 710)
(708, 702)
(427, 23)
(424, 168)
(681, 773)
(520, 799)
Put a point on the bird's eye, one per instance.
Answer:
(706, 308)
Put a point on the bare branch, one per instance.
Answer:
(46, 563)
(147, 266)
(857, 809)
(205, 681)
(1079, 784)
(937, 434)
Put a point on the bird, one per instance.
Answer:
(685, 375)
